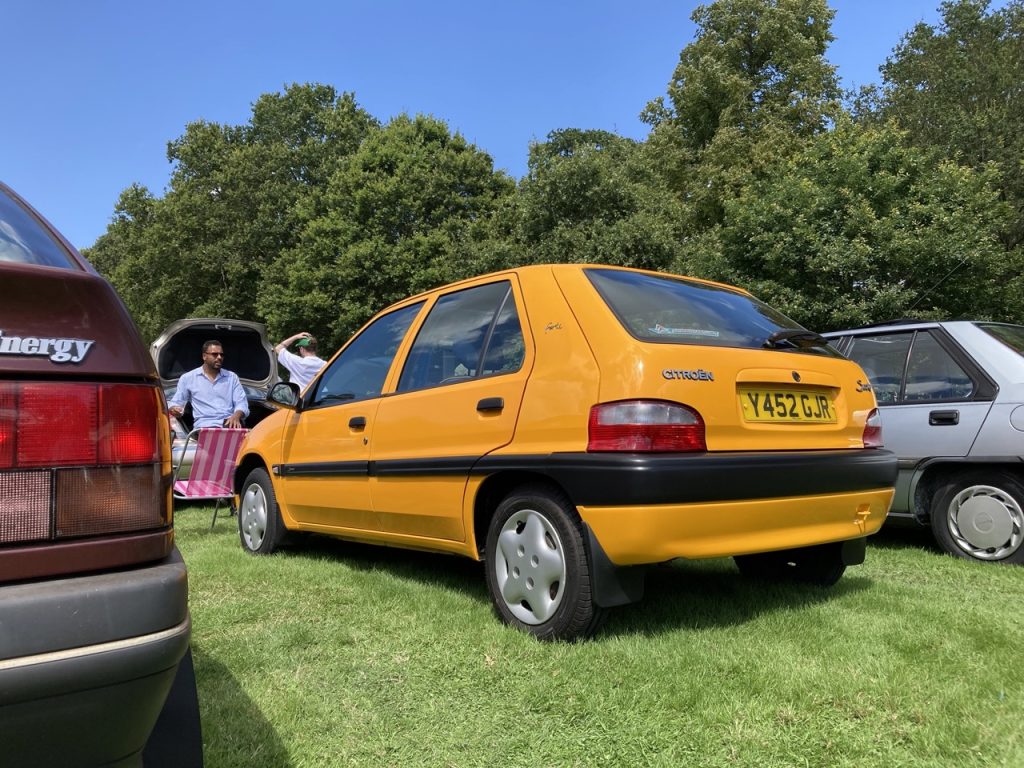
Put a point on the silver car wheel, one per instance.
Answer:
(252, 517)
(986, 522)
(529, 567)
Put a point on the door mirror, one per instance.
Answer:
(285, 393)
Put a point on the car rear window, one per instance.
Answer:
(674, 310)
(1011, 335)
(24, 240)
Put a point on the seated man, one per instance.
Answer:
(303, 366)
(217, 397)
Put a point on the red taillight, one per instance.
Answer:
(56, 425)
(648, 426)
(8, 422)
(873, 430)
(81, 459)
(129, 425)
(49, 424)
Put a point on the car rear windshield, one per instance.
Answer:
(24, 240)
(674, 310)
(1011, 335)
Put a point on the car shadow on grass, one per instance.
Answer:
(713, 594)
(235, 730)
(451, 572)
(678, 595)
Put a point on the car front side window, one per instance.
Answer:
(359, 372)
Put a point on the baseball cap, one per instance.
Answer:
(305, 342)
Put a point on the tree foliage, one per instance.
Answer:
(315, 215)
(230, 209)
(397, 217)
(859, 226)
(959, 86)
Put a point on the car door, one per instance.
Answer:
(457, 399)
(326, 447)
(932, 399)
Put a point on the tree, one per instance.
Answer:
(960, 87)
(230, 208)
(399, 215)
(860, 226)
(753, 86)
(593, 196)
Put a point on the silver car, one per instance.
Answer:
(951, 399)
(247, 353)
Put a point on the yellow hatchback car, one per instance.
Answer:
(570, 424)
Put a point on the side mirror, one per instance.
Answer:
(285, 393)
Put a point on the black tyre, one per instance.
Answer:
(260, 528)
(980, 516)
(821, 565)
(537, 569)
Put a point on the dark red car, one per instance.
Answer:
(94, 620)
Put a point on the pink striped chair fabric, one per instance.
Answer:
(212, 466)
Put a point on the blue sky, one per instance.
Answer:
(95, 90)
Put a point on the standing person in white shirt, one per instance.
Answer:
(303, 366)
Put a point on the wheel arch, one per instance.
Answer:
(930, 476)
(612, 585)
(244, 466)
(496, 487)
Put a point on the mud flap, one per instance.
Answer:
(612, 584)
(853, 550)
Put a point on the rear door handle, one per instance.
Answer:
(357, 422)
(943, 418)
(491, 404)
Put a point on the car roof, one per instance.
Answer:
(556, 268)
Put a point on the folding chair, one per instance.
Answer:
(212, 466)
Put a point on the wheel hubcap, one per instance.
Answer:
(985, 522)
(530, 567)
(252, 516)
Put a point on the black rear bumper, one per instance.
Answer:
(631, 479)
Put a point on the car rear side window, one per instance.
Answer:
(24, 240)
(469, 333)
(933, 374)
(677, 311)
(1011, 335)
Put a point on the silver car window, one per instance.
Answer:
(883, 358)
(1011, 335)
(933, 374)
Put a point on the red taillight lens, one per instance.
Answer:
(647, 426)
(873, 430)
(8, 423)
(56, 424)
(52, 424)
(129, 425)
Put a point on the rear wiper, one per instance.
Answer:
(791, 335)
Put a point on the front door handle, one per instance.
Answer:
(944, 418)
(491, 404)
(357, 422)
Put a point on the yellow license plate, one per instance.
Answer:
(787, 406)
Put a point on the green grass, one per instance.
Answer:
(338, 654)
